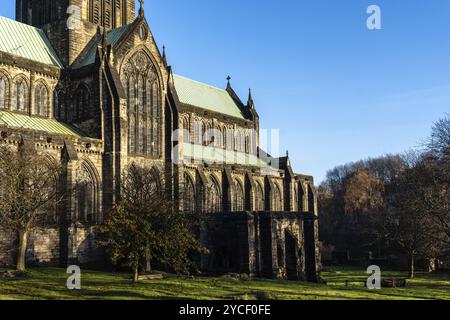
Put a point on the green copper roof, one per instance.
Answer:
(113, 37)
(221, 156)
(206, 97)
(27, 42)
(21, 121)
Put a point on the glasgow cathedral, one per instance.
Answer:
(85, 83)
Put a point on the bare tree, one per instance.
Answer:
(28, 190)
(439, 142)
(418, 220)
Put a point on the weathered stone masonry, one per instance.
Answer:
(99, 96)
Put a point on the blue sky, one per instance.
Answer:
(337, 91)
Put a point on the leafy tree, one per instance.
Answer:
(28, 192)
(146, 225)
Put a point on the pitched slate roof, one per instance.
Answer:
(221, 156)
(204, 96)
(52, 126)
(113, 36)
(27, 42)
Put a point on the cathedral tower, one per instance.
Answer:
(71, 24)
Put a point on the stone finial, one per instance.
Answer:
(229, 82)
(141, 8)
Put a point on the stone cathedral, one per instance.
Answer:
(84, 82)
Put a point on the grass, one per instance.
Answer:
(49, 284)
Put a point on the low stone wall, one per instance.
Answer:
(42, 247)
(7, 248)
(83, 247)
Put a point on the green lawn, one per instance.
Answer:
(49, 283)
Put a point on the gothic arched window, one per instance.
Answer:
(189, 198)
(83, 100)
(301, 198)
(216, 137)
(4, 90)
(224, 137)
(277, 199)
(259, 198)
(238, 199)
(240, 141)
(20, 96)
(215, 199)
(41, 100)
(143, 104)
(230, 139)
(186, 130)
(86, 194)
(249, 138)
(295, 205)
(208, 136)
(198, 132)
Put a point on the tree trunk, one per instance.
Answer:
(136, 273)
(23, 237)
(411, 266)
(148, 262)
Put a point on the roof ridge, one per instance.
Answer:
(202, 83)
(23, 24)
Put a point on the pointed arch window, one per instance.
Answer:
(277, 199)
(86, 195)
(230, 139)
(238, 197)
(301, 198)
(224, 138)
(186, 130)
(259, 198)
(208, 136)
(249, 138)
(217, 137)
(20, 96)
(189, 197)
(240, 140)
(4, 89)
(83, 104)
(198, 132)
(143, 105)
(131, 104)
(41, 101)
(215, 199)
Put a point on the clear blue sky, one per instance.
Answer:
(337, 91)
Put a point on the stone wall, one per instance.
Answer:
(7, 245)
(83, 248)
(266, 244)
(42, 247)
